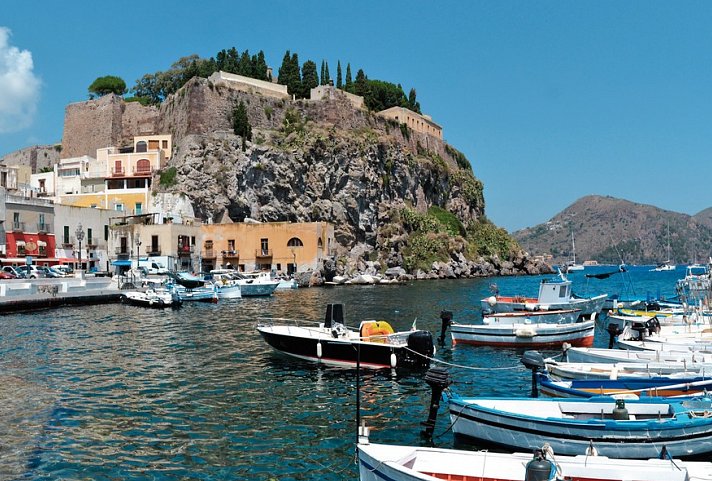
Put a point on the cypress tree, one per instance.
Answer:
(241, 124)
(338, 74)
(348, 85)
(326, 78)
(284, 73)
(322, 76)
(360, 86)
(294, 84)
(309, 78)
(259, 66)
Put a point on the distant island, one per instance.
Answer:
(614, 231)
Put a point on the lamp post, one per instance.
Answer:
(80, 237)
(138, 248)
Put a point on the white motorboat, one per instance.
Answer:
(155, 298)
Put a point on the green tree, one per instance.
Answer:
(326, 78)
(413, 104)
(379, 95)
(309, 78)
(289, 74)
(260, 66)
(338, 75)
(109, 84)
(241, 124)
(348, 83)
(361, 84)
(321, 75)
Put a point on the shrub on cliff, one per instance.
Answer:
(487, 239)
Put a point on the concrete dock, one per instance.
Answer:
(28, 294)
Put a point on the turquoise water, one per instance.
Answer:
(116, 392)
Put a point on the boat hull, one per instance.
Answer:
(655, 387)
(510, 304)
(258, 290)
(379, 462)
(325, 349)
(524, 335)
(682, 435)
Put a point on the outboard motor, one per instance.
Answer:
(422, 343)
(620, 412)
(540, 468)
(334, 314)
(534, 361)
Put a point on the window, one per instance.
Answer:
(90, 239)
(192, 240)
(165, 144)
(264, 246)
(143, 166)
(118, 168)
(153, 144)
(295, 242)
(320, 243)
(106, 232)
(231, 245)
(119, 207)
(65, 235)
(141, 146)
(139, 208)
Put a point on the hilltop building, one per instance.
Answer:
(250, 85)
(419, 123)
(329, 92)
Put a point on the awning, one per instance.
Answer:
(41, 243)
(20, 243)
(123, 263)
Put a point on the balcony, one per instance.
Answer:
(231, 254)
(44, 228)
(142, 171)
(67, 244)
(91, 242)
(118, 172)
(185, 249)
(209, 254)
(153, 250)
(18, 227)
(263, 253)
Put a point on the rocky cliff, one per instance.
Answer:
(393, 194)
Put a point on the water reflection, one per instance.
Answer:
(117, 392)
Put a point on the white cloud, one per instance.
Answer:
(19, 86)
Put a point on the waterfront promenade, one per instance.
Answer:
(28, 294)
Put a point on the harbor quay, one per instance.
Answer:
(27, 294)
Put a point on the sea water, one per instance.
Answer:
(114, 392)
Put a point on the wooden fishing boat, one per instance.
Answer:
(630, 388)
(601, 355)
(636, 429)
(554, 294)
(379, 462)
(621, 370)
(374, 344)
(526, 329)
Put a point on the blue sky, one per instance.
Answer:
(550, 100)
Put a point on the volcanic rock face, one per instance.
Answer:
(308, 160)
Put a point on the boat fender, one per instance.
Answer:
(318, 350)
(591, 449)
(525, 331)
(492, 301)
(394, 360)
(614, 373)
(540, 468)
(530, 306)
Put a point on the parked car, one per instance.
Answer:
(48, 272)
(62, 271)
(31, 272)
(7, 275)
(14, 271)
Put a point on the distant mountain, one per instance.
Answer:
(611, 230)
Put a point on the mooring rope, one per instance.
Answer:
(472, 368)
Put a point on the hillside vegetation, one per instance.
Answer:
(612, 230)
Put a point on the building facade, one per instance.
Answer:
(419, 123)
(285, 247)
(26, 230)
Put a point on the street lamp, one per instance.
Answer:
(138, 248)
(80, 237)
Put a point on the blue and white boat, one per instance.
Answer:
(206, 293)
(633, 429)
(629, 387)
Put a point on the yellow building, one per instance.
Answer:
(119, 179)
(283, 246)
(419, 123)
